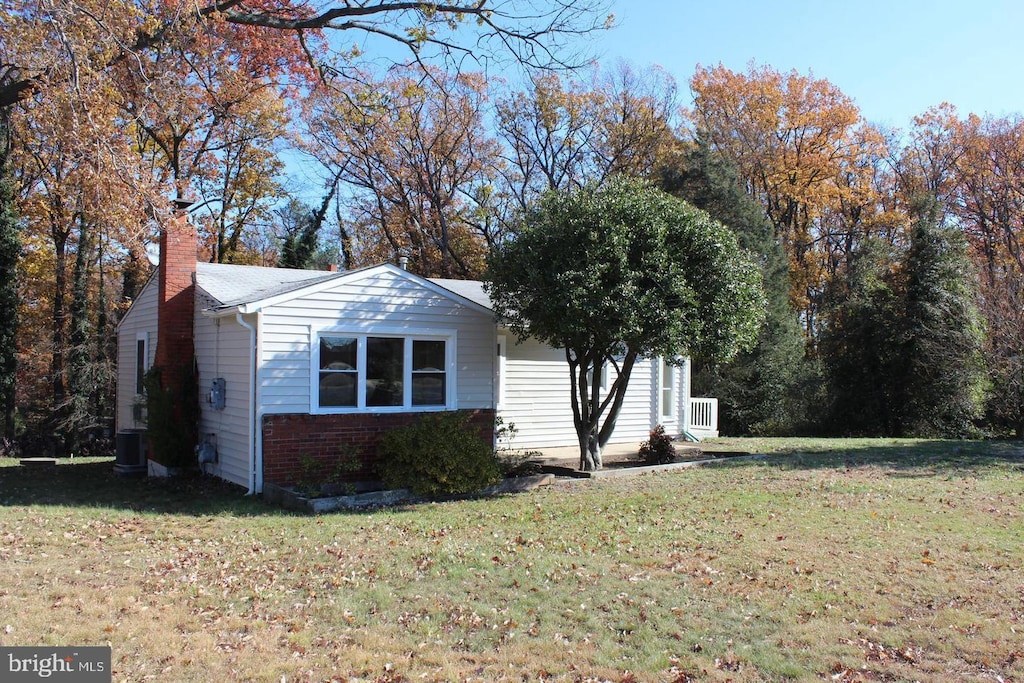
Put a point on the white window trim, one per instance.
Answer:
(672, 388)
(501, 371)
(360, 333)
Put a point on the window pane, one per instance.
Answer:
(384, 370)
(428, 389)
(140, 366)
(337, 353)
(667, 390)
(428, 355)
(338, 388)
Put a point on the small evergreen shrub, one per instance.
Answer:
(440, 455)
(658, 449)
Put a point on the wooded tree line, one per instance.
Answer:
(891, 258)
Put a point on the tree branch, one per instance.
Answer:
(529, 30)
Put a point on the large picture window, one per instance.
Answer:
(371, 372)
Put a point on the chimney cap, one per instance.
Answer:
(183, 203)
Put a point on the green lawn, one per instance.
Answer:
(845, 560)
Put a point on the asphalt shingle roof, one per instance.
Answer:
(467, 289)
(233, 285)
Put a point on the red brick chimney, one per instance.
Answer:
(176, 306)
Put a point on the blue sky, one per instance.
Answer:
(895, 58)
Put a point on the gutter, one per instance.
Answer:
(255, 443)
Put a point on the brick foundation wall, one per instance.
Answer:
(291, 442)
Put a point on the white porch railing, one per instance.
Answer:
(704, 417)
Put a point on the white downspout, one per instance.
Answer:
(253, 441)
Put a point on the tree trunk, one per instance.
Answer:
(59, 334)
(590, 452)
(10, 249)
(78, 369)
(619, 391)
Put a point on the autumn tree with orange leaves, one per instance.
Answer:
(808, 157)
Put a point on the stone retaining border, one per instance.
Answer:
(289, 499)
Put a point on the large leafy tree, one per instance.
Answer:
(414, 152)
(620, 271)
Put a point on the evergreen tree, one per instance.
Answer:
(903, 339)
(860, 347)
(767, 389)
(942, 335)
(10, 251)
(300, 239)
(300, 247)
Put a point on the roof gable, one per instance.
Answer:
(248, 289)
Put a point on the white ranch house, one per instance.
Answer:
(297, 363)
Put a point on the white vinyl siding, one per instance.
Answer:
(223, 351)
(536, 398)
(138, 323)
(378, 301)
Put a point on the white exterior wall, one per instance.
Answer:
(384, 300)
(676, 423)
(224, 350)
(536, 398)
(141, 319)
